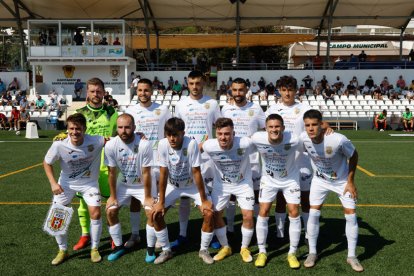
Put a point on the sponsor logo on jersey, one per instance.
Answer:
(121, 150)
(251, 113)
(91, 148)
(72, 151)
(158, 112)
(329, 150)
(207, 106)
(296, 110)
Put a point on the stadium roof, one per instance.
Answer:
(164, 14)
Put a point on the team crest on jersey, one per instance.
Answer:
(251, 113)
(207, 106)
(297, 110)
(157, 112)
(288, 146)
(185, 152)
(240, 151)
(91, 148)
(334, 175)
(136, 149)
(329, 150)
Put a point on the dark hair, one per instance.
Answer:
(77, 119)
(95, 81)
(275, 117)
(224, 122)
(240, 81)
(174, 125)
(288, 82)
(127, 115)
(145, 81)
(313, 114)
(195, 74)
(384, 112)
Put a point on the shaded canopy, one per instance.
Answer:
(164, 14)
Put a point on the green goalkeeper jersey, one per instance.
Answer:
(100, 121)
(407, 115)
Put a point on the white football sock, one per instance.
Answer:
(294, 233)
(62, 241)
(151, 237)
(262, 228)
(184, 215)
(135, 220)
(230, 213)
(247, 235)
(221, 234)
(96, 231)
(116, 234)
(280, 224)
(313, 229)
(206, 238)
(351, 231)
(162, 238)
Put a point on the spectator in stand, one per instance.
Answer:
(2, 86)
(14, 85)
(378, 93)
(411, 55)
(222, 89)
(385, 84)
(78, 37)
(161, 88)
(362, 57)
(40, 104)
(14, 118)
(401, 82)
(185, 84)
(112, 102)
(24, 117)
(338, 84)
(177, 88)
(3, 121)
(318, 89)
(308, 84)
(248, 84)
(78, 88)
(170, 83)
(380, 121)
(353, 60)
(350, 89)
(229, 82)
(155, 83)
(317, 62)
(308, 63)
(328, 94)
(6, 98)
(270, 89)
(324, 83)
(254, 89)
(301, 92)
(24, 103)
(17, 98)
(116, 42)
(368, 87)
(407, 120)
(104, 41)
(262, 84)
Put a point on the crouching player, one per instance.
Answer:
(179, 161)
(80, 156)
(133, 157)
(330, 155)
(277, 150)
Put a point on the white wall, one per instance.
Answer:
(22, 78)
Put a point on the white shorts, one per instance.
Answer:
(124, 194)
(173, 193)
(90, 193)
(268, 192)
(207, 171)
(221, 195)
(320, 189)
(256, 176)
(305, 179)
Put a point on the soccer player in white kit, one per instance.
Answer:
(247, 117)
(79, 156)
(232, 176)
(330, 156)
(180, 175)
(133, 157)
(278, 150)
(292, 114)
(199, 112)
(150, 118)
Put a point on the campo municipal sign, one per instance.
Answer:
(358, 45)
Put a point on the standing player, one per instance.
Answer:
(232, 176)
(149, 119)
(100, 120)
(180, 175)
(133, 157)
(199, 112)
(330, 155)
(79, 155)
(292, 114)
(278, 150)
(247, 117)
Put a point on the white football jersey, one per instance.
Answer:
(198, 116)
(278, 161)
(179, 162)
(231, 166)
(246, 119)
(150, 121)
(329, 158)
(79, 164)
(292, 116)
(129, 158)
